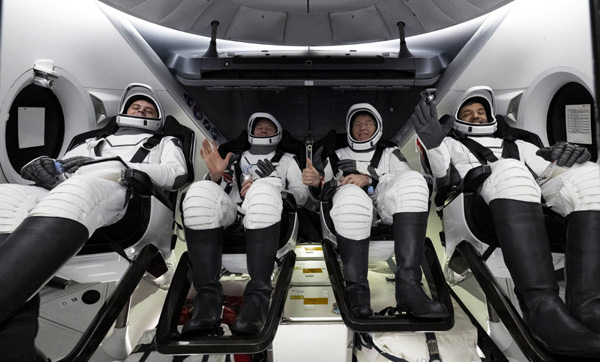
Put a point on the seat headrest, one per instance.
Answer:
(287, 144)
(504, 129)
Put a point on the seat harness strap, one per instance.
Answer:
(141, 153)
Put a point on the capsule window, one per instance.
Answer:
(35, 127)
(571, 118)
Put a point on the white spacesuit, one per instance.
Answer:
(401, 197)
(213, 204)
(521, 174)
(44, 228)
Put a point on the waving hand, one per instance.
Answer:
(214, 162)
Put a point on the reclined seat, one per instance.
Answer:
(471, 245)
(168, 337)
(125, 251)
(381, 248)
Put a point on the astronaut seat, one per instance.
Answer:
(381, 248)
(472, 247)
(109, 267)
(149, 218)
(169, 339)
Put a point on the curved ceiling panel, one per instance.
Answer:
(307, 22)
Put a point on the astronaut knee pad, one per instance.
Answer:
(510, 179)
(207, 206)
(352, 212)
(577, 189)
(91, 201)
(405, 192)
(17, 201)
(262, 205)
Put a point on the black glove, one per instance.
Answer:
(265, 168)
(72, 164)
(431, 132)
(43, 172)
(349, 166)
(565, 154)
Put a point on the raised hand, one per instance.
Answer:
(214, 162)
(565, 154)
(310, 175)
(431, 132)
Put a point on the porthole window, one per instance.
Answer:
(571, 117)
(35, 126)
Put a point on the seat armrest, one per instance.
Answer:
(289, 201)
(469, 184)
(475, 178)
(142, 183)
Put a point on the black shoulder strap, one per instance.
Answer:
(377, 155)
(334, 159)
(277, 156)
(234, 166)
(482, 153)
(510, 148)
(150, 143)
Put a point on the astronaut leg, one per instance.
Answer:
(513, 198)
(403, 199)
(522, 235)
(409, 247)
(205, 248)
(355, 260)
(262, 207)
(206, 210)
(261, 248)
(17, 202)
(583, 268)
(17, 334)
(51, 234)
(44, 244)
(352, 215)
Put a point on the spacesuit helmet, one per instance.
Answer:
(135, 92)
(355, 111)
(263, 141)
(485, 96)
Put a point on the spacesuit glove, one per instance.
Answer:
(44, 171)
(265, 168)
(431, 132)
(565, 154)
(349, 167)
(72, 164)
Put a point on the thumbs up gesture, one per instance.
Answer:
(310, 175)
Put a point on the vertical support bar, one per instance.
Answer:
(595, 29)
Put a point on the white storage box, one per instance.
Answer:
(314, 342)
(311, 304)
(310, 272)
(309, 252)
(312, 328)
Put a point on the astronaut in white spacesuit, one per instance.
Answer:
(521, 174)
(253, 179)
(402, 198)
(43, 225)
